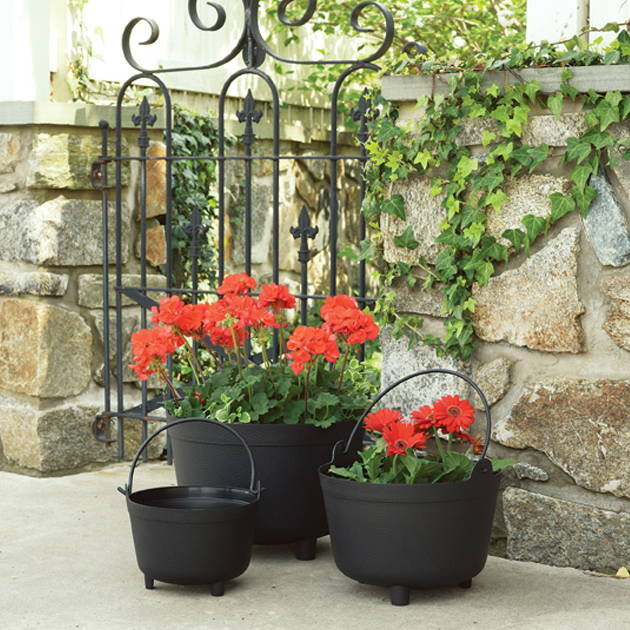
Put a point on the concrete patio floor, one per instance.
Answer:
(67, 561)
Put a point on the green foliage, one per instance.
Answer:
(275, 396)
(194, 186)
(443, 465)
(471, 188)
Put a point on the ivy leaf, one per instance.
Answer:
(516, 237)
(423, 158)
(474, 233)
(554, 103)
(483, 272)
(534, 226)
(577, 150)
(538, 155)
(394, 205)
(466, 166)
(531, 88)
(406, 240)
(560, 205)
(584, 198)
(580, 175)
(493, 90)
(607, 113)
(487, 137)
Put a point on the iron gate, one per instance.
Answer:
(254, 51)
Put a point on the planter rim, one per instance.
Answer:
(261, 434)
(369, 492)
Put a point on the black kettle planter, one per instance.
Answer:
(405, 536)
(193, 534)
(291, 507)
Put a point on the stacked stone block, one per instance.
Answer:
(51, 321)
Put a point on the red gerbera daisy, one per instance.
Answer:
(378, 420)
(401, 436)
(424, 418)
(453, 414)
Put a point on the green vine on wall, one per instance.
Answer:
(471, 186)
(194, 186)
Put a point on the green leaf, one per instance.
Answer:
(406, 240)
(577, 150)
(554, 103)
(354, 472)
(534, 226)
(580, 175)
(584, 198)
(496, 199)
(394, 205)
(560, 205)
(466, 166)
(500, 464)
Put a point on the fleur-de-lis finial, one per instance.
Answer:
(360, 115)
(144, 118)
(304, 230)
(249, 115)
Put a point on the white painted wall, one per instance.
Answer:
(24, 50)
(556, 20)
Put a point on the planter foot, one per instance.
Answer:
(217, 589)
(466, 583)
(306, 549)
(399, 595)
(148, 582)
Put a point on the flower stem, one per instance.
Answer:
(194, 364)
(164, 376)
(437, 442)
(306, 380)
(343, 367)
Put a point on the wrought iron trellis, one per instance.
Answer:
(254, 50)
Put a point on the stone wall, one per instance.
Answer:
(553, 355)
(51, 320)
(51, 291)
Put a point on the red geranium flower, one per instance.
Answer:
(190, 321)
(343, 317)
(378, 420)
(453, 414)
(424, 418)
(150, 348)
(276, 296)
(308, 343)
(401, 436)
(236, 284)
(169, 310)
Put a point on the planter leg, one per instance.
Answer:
(466, 583)
(217, 589)
(148, 582)
(306, 549)
(399, 595)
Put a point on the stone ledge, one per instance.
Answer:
(585, 78)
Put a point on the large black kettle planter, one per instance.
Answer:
(291, 508)
(405, 536)
(193, 534)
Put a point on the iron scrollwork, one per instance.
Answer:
(252, 43)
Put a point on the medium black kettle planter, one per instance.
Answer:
(405, 536)
(193, 534)
(291, 508)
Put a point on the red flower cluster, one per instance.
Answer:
(344, 318)
(308, 343)
(151, 347)
(236, 284)
(276, 296)
(449, 415)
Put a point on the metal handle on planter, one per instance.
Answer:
(406, 378)
(254, 487)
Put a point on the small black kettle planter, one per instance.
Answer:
(193, 534)
(291, 508)
(406, 536)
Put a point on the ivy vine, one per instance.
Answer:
(194, 186)
(471, 186)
